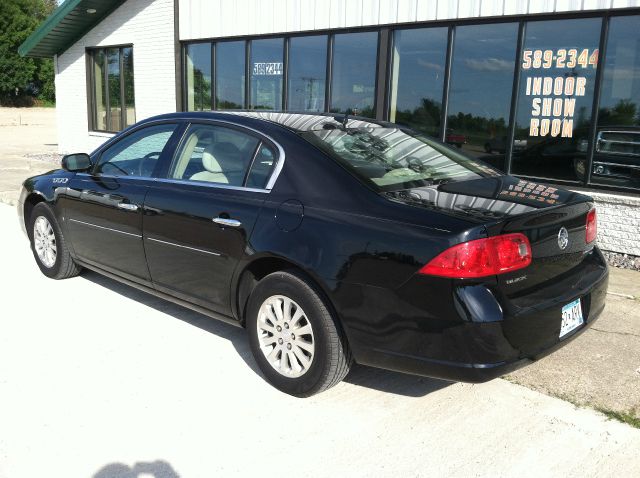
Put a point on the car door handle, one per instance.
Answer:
(127, 206)
(223, 221)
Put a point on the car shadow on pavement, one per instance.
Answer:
(377, 379)
(235, 335)
(394, 382)
(155, 469)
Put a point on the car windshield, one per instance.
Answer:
(392, 158)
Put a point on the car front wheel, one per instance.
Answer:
(294, 337)
(48, 245)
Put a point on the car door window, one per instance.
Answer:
(136, 154)
(262, 167)
(214, 154)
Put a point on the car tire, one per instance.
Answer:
(48, 245)
(319, 356)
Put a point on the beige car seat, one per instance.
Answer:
(222, 164)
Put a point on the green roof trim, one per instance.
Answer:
(65, 26)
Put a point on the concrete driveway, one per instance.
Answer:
(100, 380)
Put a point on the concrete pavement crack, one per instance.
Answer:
(617, 333)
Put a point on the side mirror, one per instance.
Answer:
(76, 162)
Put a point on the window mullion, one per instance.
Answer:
(511, 133)
(591, 142)
(447, 82)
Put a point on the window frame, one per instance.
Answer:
(96, 158)
(91, 90)
(260, 137)
(383, 77)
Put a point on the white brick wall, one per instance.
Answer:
(148, 25)
(618, 221)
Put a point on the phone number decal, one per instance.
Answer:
(264, 69)
(561, 58)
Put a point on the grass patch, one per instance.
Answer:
(624, 417)
(629, 417)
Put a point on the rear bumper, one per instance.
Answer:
(464, 372)
(471, 350)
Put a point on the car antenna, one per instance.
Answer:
(345, 119)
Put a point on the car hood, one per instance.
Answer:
(487, 199)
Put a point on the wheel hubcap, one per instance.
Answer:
(285, 336)
(44, 240)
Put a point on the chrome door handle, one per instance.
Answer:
(227, 222)
(127, 206)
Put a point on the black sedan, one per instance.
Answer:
(331, 239)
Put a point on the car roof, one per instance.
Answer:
(297, 122)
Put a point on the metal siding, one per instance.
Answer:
(470, 8)
(322, 16)
(292, 15)
(388, 11)
(516, 7)
(370, 12)
(447, 10)
(540, 6)
(353, 13)
(596, 4)
(220, 18)
(491, 8)
(406, 10)
(625, 3)
(336, 12)
(426, 10)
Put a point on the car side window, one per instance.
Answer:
(261, 168)
(136, 154)
(214, 154)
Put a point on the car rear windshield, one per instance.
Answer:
(390, 159)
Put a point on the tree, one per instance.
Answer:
(18, 76)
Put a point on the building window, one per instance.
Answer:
(198, 71)
(307, 73)
(417, 78)
(112, 100)
(481, 82)
(616, 158)
(536, 124)
(353, 78)
(266, 73)
(557, 80)
(230, 75)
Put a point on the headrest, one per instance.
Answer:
(209, 161)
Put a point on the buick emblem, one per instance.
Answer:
(563, 238)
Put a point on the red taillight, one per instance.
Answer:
(592, 226)
(482, 257)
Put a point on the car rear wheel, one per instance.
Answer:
(48, 245)
(294, 337)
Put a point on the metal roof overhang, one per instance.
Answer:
(66, 25)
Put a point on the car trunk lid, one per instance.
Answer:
(552, 218)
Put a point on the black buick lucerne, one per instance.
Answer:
(331, 239)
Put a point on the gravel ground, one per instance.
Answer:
(45, 157)
(623, 261)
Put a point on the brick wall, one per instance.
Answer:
(618, 221)
(148, 25)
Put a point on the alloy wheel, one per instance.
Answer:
(44, 240)
(285, 336)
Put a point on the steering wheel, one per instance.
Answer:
(144, 159)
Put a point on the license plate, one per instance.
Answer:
(571, 317)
